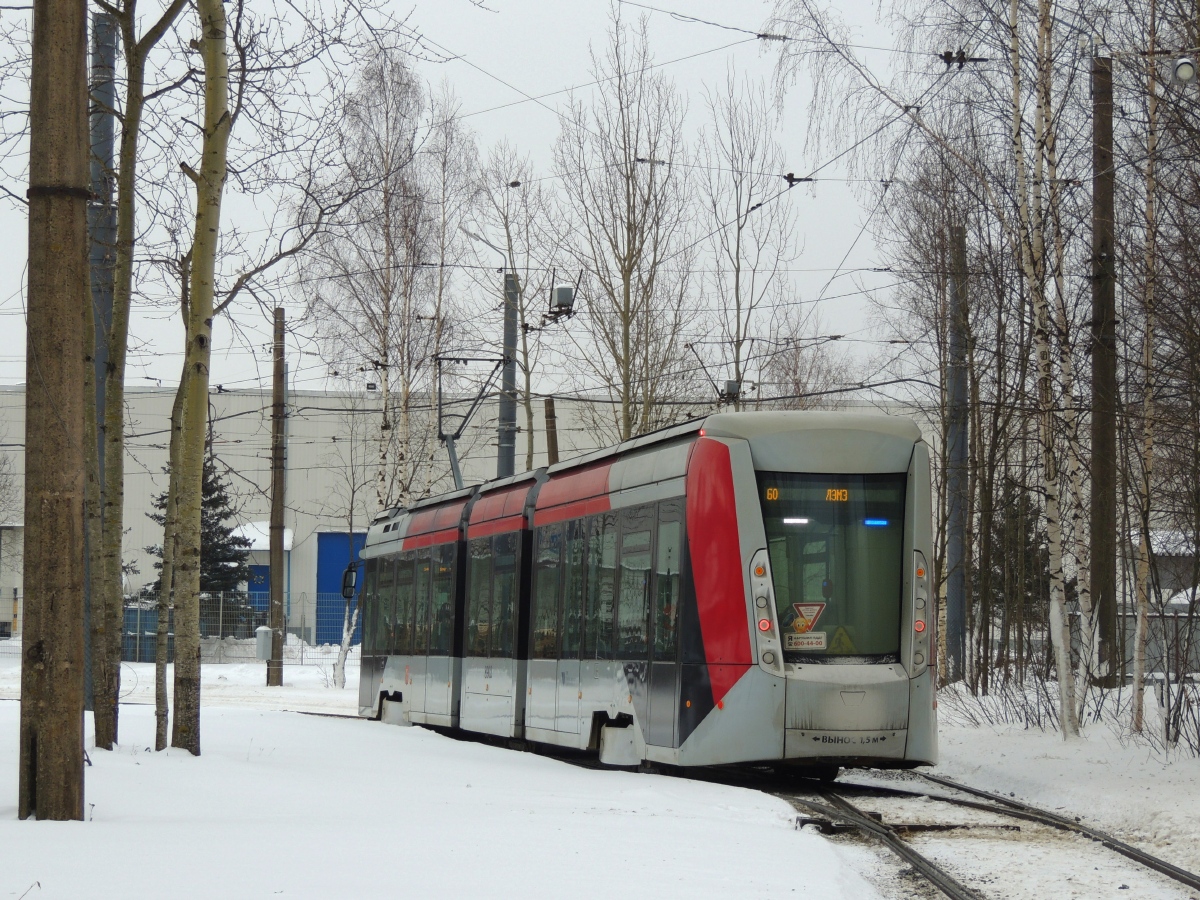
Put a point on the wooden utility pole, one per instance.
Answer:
(551, 433)
(52, 664)
(1104, 373)
(275, 663)
(956, 461)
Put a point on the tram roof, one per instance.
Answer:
(746, 425)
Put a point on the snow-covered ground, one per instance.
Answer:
(298, 805)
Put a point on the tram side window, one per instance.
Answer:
(633, 606)
(667, 582)
(441, 625)
(547, 559)
(601, 573)
(504, 593)
(385, 604)
(402, 643)
(370, 611)
(421, 604)
(573, 582)
(479, 600)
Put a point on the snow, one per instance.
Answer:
(319, 806)
(298, 805)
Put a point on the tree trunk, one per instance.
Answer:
(51, 731)
(210, 182)
(166, 592)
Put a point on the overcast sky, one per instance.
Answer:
(501, 54)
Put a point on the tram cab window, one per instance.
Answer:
(479, 600)
(421, 604)
(385, 632)
(836, 548)
(546, 575)
(601, 586)
(633, 607)
(441, 616)
(504, 593)
(370, 605)
(574, 577)
(667, 582)
(402, 641)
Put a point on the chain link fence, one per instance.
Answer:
(229, 621)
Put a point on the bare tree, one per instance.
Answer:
(210, 184)
(753, 229)
(623, 162)
(350, 461)
(515, 205)
(365, 280)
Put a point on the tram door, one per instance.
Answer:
(664, 649)
(571, 629)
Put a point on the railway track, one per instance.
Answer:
(833, 811)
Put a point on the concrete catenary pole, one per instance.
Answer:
(102, 234)
(956, 460)
(1103, 536)
(551, 433)
(506, 427)
(278, 464)
(51, 731)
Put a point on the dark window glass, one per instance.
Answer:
(386, 635)
(402, 643)
(546, 561)
(634, 603)
(441, 624)
(574, 576)
(667, 587)
(421, 604)
(504, 594)
(479, 598)
(602, 573)
(370, 606)
(836, 545)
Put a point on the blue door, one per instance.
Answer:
(334, 551)
(259, 587)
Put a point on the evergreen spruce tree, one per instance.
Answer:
(223, 555)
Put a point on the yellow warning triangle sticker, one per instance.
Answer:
(841, 642)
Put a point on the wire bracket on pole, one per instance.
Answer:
(450, 439)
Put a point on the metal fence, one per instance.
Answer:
(228, 623)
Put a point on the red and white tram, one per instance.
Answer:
(750, 587)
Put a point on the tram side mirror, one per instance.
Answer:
(349, 580)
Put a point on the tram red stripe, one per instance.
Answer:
(449, 536)
(575, 510)
(716, 555)
(496, 526)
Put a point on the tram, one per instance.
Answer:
(746, 588)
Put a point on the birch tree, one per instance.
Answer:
(623, 162)
(365, 280)
(753, 228)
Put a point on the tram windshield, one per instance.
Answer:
(836, 546)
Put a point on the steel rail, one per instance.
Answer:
(1033, 813)
(847, 812)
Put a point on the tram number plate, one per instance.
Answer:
(811, 640)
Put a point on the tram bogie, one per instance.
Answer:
(752, 587)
